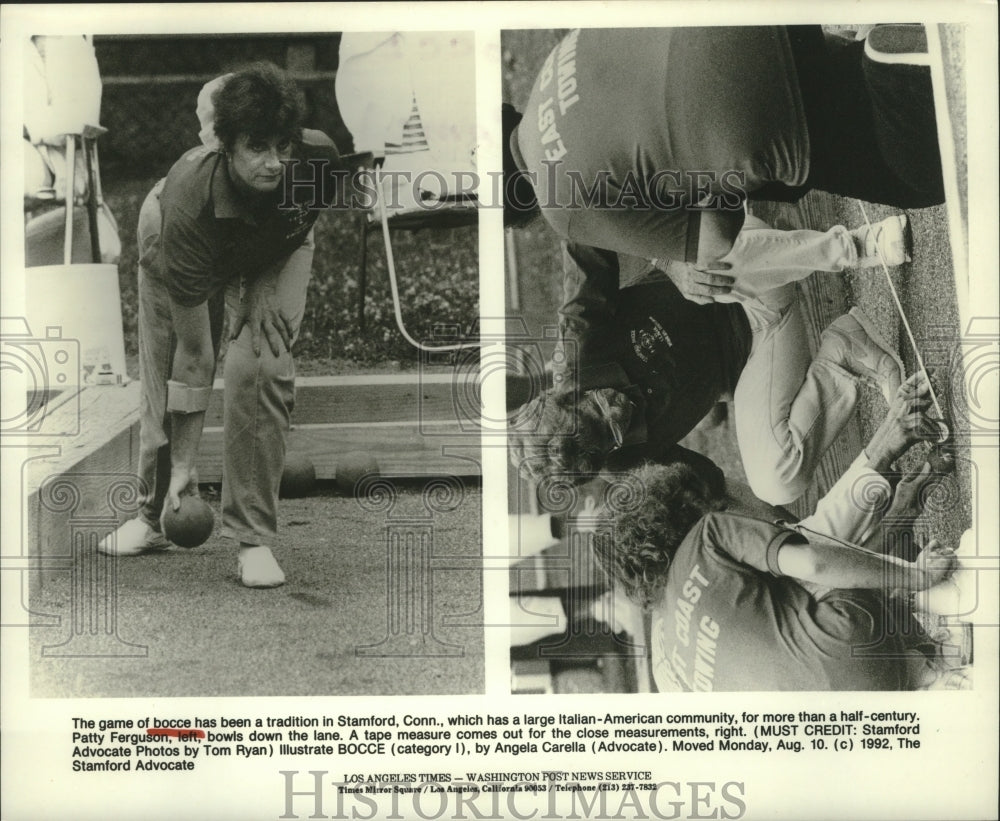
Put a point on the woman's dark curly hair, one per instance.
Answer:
(261, 101)
(641, 539)
(560, 436)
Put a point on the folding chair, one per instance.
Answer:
(62, 108)
(450, 211)
(384, 81)
(39, 229)
(71, 292)
(71, 287)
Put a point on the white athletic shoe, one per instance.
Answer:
(899, 44)
(133, 538)
(889, 236)
(258, 568)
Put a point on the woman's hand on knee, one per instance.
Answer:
(260, 311)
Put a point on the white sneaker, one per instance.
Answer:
(258, 568)
(133, 538)
(889, 236)
(899, 44)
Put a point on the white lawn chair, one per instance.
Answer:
(410, 99)
(71, 252)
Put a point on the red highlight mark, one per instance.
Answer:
(179, 734)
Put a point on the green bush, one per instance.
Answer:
(438, 281)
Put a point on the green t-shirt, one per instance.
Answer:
(626, 128)
(728, 621)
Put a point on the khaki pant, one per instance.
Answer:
(788, 406)
(259, 393)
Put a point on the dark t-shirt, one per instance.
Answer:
(729, 621)
(210, 236)
(654, 115)
(677, 356)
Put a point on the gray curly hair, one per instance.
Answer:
(559, 433)
(644, 537)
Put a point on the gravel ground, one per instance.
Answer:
(208, 636)
(926, 289)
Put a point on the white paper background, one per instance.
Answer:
(952, 775)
